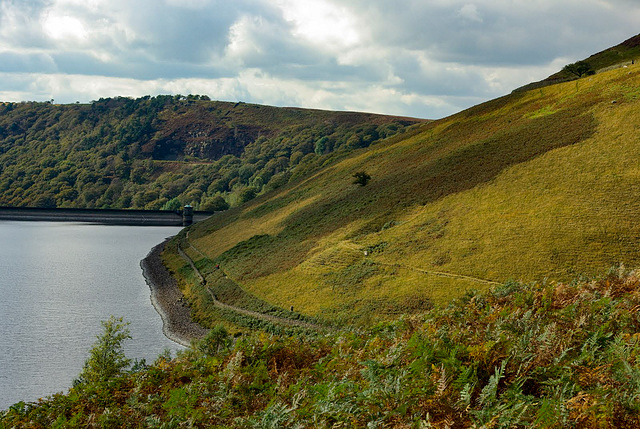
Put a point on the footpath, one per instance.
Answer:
(254, 314)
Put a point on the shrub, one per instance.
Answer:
(361, 178)
(214, 204)
(173, 205)
(247, 194)
(106, 358)
(216, 340)
(321, 145)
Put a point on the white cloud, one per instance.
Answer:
(321, 23)
(64, 27)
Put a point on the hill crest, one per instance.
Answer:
(620, 55)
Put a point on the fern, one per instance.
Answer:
(465, 395)
(274, 417)
(489, 394)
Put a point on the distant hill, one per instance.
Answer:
(537, 184)
(165, 151)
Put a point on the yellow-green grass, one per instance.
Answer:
(571, 211)
(544, 183)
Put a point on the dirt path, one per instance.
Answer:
(355, 247)
(244, 311)
(290, 322)
(194, 247)
(440, 273)
(273, 319)
(193, 266)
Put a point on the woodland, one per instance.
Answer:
(164, 152)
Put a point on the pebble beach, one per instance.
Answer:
(168, 300)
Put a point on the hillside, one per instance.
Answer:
(167, 151)
(533, 185)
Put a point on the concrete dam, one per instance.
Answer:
(184, 217)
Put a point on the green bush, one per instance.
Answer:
(361, 178)
(106, 358)
(247, 194)
(172, 205)
(214, 204)
(216, 340)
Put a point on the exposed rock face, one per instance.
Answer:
(204, 140)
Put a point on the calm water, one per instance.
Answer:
(57, 282)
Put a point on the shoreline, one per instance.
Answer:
(168, 300)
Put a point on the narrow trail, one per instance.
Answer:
(244, 311)
(273, 319)
(193, 266)
(440, 273)
(296, 323)
(193, 247)
(353, 246)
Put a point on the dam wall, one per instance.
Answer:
(105, 216)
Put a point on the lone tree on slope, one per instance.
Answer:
(361, 178)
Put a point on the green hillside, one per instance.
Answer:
(533, 185)
(167, 151)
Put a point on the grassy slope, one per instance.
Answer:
(536, 184)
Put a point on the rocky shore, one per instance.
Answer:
(169, 301)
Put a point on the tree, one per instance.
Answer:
(172, 205)
(247, 194)
(217, 339)
(106, 358)
(361, 178)
(45, 201)
(321, 145)
(579, 69)
(214, 204)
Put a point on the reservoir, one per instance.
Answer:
(58, 281)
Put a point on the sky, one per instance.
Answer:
(420, 58)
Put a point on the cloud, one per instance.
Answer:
(411, 58)
(498, 31)
(470, 13)
(327, 25)
(64, 27)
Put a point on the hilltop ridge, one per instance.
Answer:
(620, 55)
